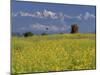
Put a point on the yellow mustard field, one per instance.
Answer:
(57, 52)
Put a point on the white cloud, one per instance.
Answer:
(50, 14)
(54, 15)
(88, 15)
(26, 14)
(93, 16)
(38, 14)
(79, 17)
(43, 14)
(40, 27)
(67, 16)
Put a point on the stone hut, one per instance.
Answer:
(74, 28)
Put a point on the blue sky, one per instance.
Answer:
(36, 17)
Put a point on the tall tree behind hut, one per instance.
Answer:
(74, 28)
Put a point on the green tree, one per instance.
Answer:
(27, 34)
(44, 34)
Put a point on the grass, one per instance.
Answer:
(57, 52)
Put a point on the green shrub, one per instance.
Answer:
(27, 34)
(44, 34)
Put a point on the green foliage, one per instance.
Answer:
(44, 34)
(53, 53)
(27, 34)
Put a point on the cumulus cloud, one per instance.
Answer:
(54, 15)
(42, 27)
(46, 14)
(38, 14)
(88, 15)
(50, 14)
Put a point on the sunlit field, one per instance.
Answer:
(58, 52)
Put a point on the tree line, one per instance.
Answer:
(74, 29)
